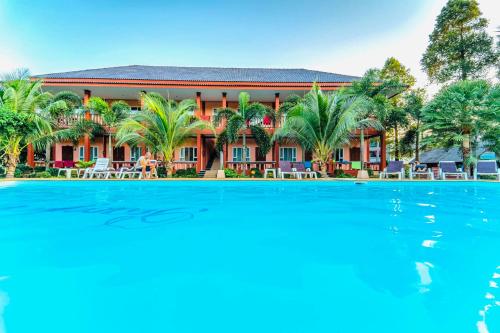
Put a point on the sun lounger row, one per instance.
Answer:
(296, 170)
(101, 170)
(446, 169)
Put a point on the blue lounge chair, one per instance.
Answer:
(486, 168)
(394, 168)
(449, 168)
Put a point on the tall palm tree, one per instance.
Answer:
(247, 116)
(63, 104)
(21, 122)
(162, 126)
(112, 115)
(323, 122)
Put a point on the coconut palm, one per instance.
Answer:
(248, 116)
(64, 104)
(162, 126)
(21, 122)
(112, 115)
(323, 122)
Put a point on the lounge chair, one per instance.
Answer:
(134, 171)
(100, 169)
(487, 168)
(449, 168)
(394, 168)
(304, 172)
(285, 168)
(422, 170)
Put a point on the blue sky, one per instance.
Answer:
(342, 36)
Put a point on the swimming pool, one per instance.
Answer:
(203, 256)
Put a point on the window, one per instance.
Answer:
(238, 154)
(81, 153)
(93, 153)
(288, 154)
(135, 109)
(374, 150)
(339, 155)
(135, 153)
(189, 154)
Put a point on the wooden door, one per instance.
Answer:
(119, 154)
(355, 154)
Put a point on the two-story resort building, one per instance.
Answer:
(211, 88)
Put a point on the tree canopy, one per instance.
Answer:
(459, 47)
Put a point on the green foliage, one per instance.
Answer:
(459, 47)
(14, 123)
(84, 164)
(23, 171)
(186, 173)
(162, 126)
(43, 174)
(238, 121)
(230, 173)
(255, 173)
(322, 122)
(339, 173)
(461, 114)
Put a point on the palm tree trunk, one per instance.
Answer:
(12, 159)
(323, 169)
(169, 167)
(47, 156)
(417, 146)
(466, 153)
(244, 152)
(396, 143)
(362, 147)
(110, 150)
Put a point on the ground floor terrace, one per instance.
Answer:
(200, 153)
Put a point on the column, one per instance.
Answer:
(276, 148)
(30, 158)
(199, 145)
(86, 138)
(198, 103)
(383, 151)
(225, 148)
(141, 99)
(367, 150)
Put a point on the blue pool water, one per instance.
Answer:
(79, 257)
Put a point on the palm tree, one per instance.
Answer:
(463, 113)
(111, 116)
(322, 122)
(247, 116)
(162, 126)
(62, 105)
(21, 122)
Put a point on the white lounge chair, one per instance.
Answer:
(422, 170)
(449, 168)
(100, 169)
(304, 172)
(486, 168)
(136, 171)
(394, 168)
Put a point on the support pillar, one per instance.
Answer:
(197, 113)
(225, 147)
(276, 148)
(30, 158)
(199, 147)
(276, 108)
(383, 151)
(86, 138)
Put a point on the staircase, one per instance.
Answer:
(210, 171)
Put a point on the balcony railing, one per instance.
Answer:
(67, 121)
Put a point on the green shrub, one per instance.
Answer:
(255, 173)
(23, 171)
(42, 174)
(84, 165)
(339, 173)
(230, 173)
(186, 173)
(53, 172)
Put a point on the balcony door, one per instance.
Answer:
(119, 154)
